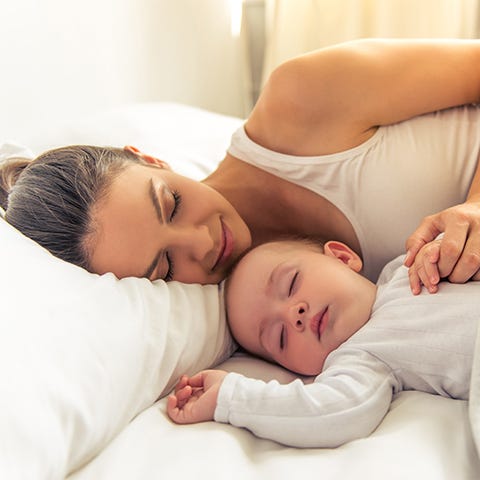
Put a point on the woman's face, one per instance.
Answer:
(157, 224)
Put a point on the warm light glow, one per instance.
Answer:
(236, 11)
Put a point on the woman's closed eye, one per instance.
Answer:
(282, 337)
(170, 271)
(177, 200)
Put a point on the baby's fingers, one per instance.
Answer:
(182, 414)
(419, 277)
(173, 410)
(181, 383)
(414, 279)
(197, 381)
(424, 270)
(183, 395)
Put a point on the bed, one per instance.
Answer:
(86, 360)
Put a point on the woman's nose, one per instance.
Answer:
(196, 241)
(297, 316)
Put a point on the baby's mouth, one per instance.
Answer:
(319, 322)
(324, 321)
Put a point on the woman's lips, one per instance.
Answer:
(226, 246)
(319, 322)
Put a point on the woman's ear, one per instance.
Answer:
(147, 158)
(344, 253)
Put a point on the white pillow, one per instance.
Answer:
(193, 141)
(82, 354)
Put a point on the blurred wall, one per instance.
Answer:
(295, 27)
(61, 58)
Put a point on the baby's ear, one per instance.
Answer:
(344, 253)
(147, 158)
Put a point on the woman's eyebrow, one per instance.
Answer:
(156, 203)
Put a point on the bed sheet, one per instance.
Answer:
(423, 436)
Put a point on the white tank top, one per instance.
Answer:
(388, 184)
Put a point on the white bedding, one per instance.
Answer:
(82, 357)
(422, 437)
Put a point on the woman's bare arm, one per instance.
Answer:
(328, 100)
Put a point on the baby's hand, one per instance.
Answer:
(195, 398)
(456, 257)
(424, 269)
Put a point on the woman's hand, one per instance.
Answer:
(455, 256)
(195, 398)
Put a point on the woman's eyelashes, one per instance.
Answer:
(177, 200)
(170, 272)
(282, 337)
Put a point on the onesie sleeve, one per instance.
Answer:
(345, 402)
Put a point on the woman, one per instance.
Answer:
(341, 144)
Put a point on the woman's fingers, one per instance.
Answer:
(428, 230)
(468, 264)
(452, 247)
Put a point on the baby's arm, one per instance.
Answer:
(344, 403)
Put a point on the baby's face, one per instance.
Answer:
(293, 305)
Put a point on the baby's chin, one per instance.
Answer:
(304, 371)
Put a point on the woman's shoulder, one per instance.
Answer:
(287, 127)
(328, 100)
(300, 112)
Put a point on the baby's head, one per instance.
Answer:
(293, 302)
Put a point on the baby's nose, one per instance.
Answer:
(297, 316)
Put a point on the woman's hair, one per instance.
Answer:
(51, 198)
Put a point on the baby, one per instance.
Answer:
(307, 308)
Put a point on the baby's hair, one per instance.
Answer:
(282, 240)
(296, 240)
(50, 199)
